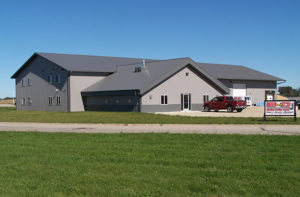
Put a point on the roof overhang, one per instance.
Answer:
(23, 66)
(112, 93)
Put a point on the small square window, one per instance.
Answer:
(186, 74)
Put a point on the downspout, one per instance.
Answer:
(69, 93)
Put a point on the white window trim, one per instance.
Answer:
(50, 103)
(58, 98)
(164, 103)
(29, 101)
(29, 81)
(23, 101)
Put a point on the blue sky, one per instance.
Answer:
(261, 34)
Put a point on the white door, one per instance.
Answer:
(239, 90)
(185, 102)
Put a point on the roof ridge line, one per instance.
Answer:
(89, 55)
(152, 61)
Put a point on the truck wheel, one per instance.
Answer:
(239, 110)
(229, 108)
(206, 108)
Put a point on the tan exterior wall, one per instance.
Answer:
(180, 84)
(77, 84)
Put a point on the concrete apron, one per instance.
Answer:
(153, 128)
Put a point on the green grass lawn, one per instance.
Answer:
(60, 164)
(11, 115)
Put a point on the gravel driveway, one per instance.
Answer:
(248, 112)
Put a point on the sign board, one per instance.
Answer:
(280, 108)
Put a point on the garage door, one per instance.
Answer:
(239, 90)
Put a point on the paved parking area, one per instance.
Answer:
(253, 111)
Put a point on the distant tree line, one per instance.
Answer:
(288, 91)
(7, 98)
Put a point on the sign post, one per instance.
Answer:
(280, 108)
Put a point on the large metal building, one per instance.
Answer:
(63, 82)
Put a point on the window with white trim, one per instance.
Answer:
(29, 101)
(23, 101)
(57, 78)
(58, 100)
(23, 83)
(29, 82)
(50, 100)
(164, 99)
(50, 79)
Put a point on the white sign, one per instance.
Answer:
(280, 108)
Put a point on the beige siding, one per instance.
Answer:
(77, 84)
(255, 89)
(180, 84)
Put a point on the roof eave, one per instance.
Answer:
(23, 66)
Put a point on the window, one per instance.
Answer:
(137, 69)
(50, 79)
(164, 99)
(57, 78)
(205, 98)
(29, 82)
(229, 99)
(58, 100)
(23, 101)
(187, 74)
(29, 101)
(220, 99)
(50, 100)
(23, 83)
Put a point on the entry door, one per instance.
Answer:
(185, 102)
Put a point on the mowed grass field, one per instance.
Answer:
(9, 114)
(64, 164)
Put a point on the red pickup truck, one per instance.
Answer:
(224, 102)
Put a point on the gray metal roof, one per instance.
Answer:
(82, 63)
(88, 63)
(222, 71)
(155, 73)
